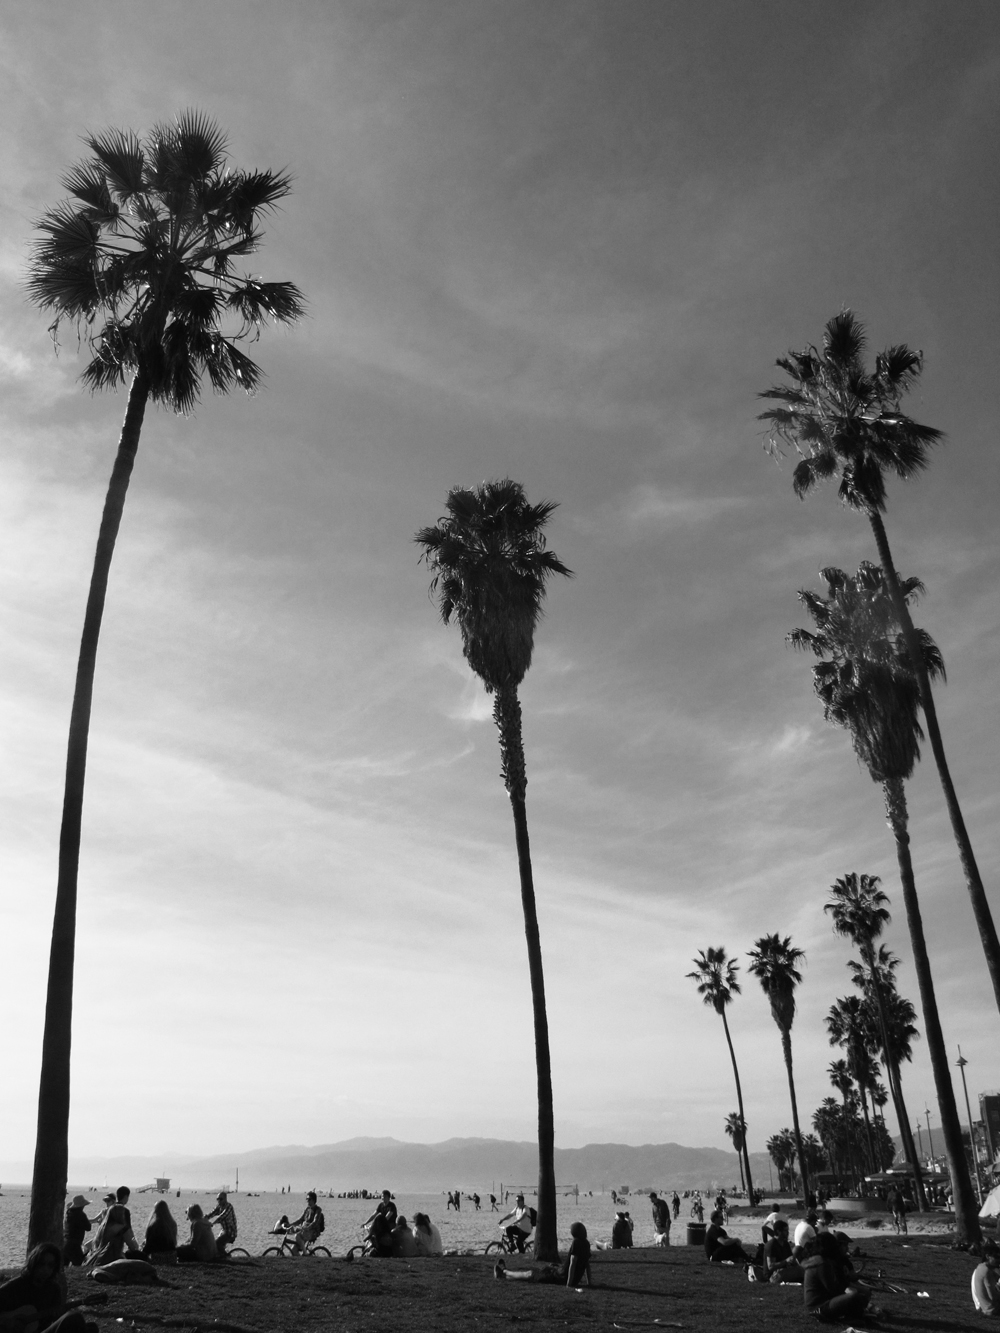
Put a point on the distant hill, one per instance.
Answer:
(376, 1163)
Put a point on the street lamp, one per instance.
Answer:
(920, 1142)
(962, 1062)
(930, 1136)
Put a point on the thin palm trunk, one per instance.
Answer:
(966, 1209)
(868, 1129)
(896, 1086)
(739, 1101)
(980, 905)
(507, 715)
(48, 1184)
(786, 1047)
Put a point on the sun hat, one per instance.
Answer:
(80, 1202)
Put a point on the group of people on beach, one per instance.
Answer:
(389, 1236)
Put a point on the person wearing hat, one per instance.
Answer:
(224, 1217)
(75, 1227)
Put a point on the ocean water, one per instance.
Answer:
(257, 1214)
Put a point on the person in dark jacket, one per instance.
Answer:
(161, 1232)
(621, 1232)
(719, 1245)
(829, 1286)
(38, 1295)
(75, 1227)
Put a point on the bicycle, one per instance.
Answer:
(289, 1250)
(504, 1245)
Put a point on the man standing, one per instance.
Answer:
(520, 1224)
(224, 1215)
(661, 1219)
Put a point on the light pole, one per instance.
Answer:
(920, 1142)
(962, 1062)
(930, 1137)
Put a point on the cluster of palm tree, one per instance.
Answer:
(875, 669)
(783, 1149)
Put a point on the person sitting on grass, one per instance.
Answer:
(115, 1238)
(781, 1264)
(403, 1243)
(720, 1247)
(161, 1233)
(427, 1236)
(201, 1248)
(37, 1297)
(578, 1257)
(986, 1281)
(829, 1286)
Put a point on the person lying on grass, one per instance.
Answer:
(571, 1273)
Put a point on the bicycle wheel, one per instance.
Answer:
(320, 1252)
(355, 1252)
(274, 1252)
(495, 1247)
(239, 1254)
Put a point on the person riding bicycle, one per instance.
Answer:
(380, 1225)
(310, 1224)
(521, 1224)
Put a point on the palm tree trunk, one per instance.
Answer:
(786, 1047)
(507, 716)
(868, 1129)
(980, 905)
(739, 1102)
(48, 1183)
(966, 1208)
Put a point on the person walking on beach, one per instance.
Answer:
(224, 1217)
(493, 1204)
(677, 1205)
(897, 1206)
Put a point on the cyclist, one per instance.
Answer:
(380, 1225)
(310, 1224)
(521, 1224)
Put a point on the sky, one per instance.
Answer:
(563, 243)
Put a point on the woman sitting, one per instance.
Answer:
(782, 1266)
(829, 1287)
(161, 1233)
(115, 1238)
(37, 1298)
(404, 1244)
(201, 1249)
(427, 1236)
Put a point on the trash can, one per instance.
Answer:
(696, 1233)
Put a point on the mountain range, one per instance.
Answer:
(463, 1163)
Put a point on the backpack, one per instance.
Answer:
(532, 1213)
(320, 1222)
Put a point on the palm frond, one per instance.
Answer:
(123, 160)
(844, 339)
(256, 192)
(199, 143)
(88, 183)
(257, 302)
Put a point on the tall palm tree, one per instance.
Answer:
(490, 564)
(846, 421)
(715, 975)
(736, 1130)
(773, 962)
(866, 681)
(141, 260)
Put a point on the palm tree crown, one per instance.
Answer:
(859, 908)
(845, 419)
(716, 978)
(142, 259)
(866, 681)
(773, 963)
(490, 564)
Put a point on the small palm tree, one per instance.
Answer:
(142, 262)
(773, 961)
(715, 975)
(866, 681)
(846, 421)
(847, 1027)
(490, 565)
(736, 1131)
